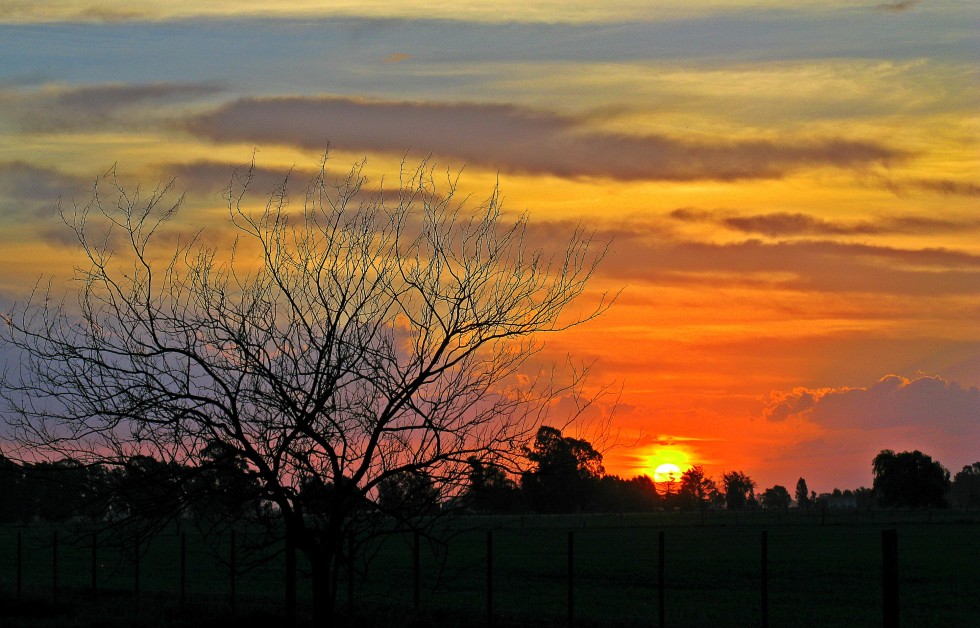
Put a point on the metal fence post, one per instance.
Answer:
(233, 570)
(183, 569)
(290, 580)
(20, 562)
(417, 568)
(54, 566)
(889, 552)
(136, 568)
(765, 579)
(95, 564)
(490, 578)
(661, 584)
(571, 579)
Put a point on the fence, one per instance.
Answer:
(604, 571)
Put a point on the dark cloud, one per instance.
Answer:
(784, 224)
(23, 181)
(947, 187)
(100, 106)
(803, 265)
(517, 139)
(212, 178)
(32, 193)
(893, 401)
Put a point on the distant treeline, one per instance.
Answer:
(562, 475)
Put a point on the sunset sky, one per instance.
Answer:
(791, 189)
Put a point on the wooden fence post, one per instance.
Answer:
(661, 584)
(490, 578)
(889, 552)
(765, 579)
(571, 579)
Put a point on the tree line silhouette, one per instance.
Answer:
(561, 474)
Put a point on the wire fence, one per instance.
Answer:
(610, 570)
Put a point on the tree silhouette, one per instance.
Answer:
(697, 489)
(408, 495)
(965, 491)
(739, 490)
(776, 498)
(909, 480)
(802, 495)
(490, 490)
(335, 344)
(565, 472)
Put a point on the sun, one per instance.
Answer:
(667, 472)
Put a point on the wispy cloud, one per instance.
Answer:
(786, 224)
(800, 265)
(53, 108)
(518, 139)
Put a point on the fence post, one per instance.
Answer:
(765, 579)
(136, 568)
(661, 584)
(416, 560)
(233, 570)
(54, 566)
(20, 562)
(889, 551)
(183, 569)
(571, 579)
(95, 564)
(350, 571)
(290, 580)
(490, 578)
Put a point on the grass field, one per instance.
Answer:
(821, 572)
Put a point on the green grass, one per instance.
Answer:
(819, 575)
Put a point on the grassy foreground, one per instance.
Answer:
(821, 572)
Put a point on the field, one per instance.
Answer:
(821, 572)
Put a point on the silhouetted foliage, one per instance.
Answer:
(565, 472)
(408, 495)
(802, 495)
(636, 494)
(739, 491)
(489, 489)
(15, 503)
(965, 491)
(776, 498)
(148, 489)
(864, 498)
(697, 489)
(223, 487)
(909, 480)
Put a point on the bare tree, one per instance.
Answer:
(357, 339)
